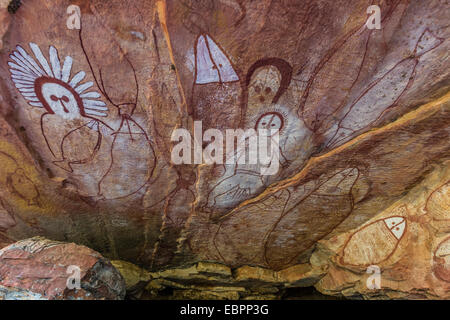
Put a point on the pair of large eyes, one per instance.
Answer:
(265, 123)
(63, 98)
(273, 119)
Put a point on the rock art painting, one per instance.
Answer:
(240, 182)
(266, 82)
(323, 203)
(441, 261)
(327, 205)
(130, 144)
(387, 242)
(319, 101)
(385, 91)
(7, 220)
(137, 143)
(216, 87)
(362, 117)
(375, 242)
(65, 101)
(71, 124)
(438, 203)
(22, 186)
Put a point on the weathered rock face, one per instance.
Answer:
(88, 111)
(38, 268)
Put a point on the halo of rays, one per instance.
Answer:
(25, 70)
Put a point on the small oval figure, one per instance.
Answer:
(7, 219)
(375, 242)
(441, 261)
(80, 145)
(216, 88)
(22, 186)
(130, 145)
(69, 124)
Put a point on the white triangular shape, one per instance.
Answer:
(212, 65)
(427, 42)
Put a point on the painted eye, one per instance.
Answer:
(257, 89)
(263, 123)
(54, 98)
(273, 124)
(268, 90)
(65, 98)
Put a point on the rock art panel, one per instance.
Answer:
(7, 220)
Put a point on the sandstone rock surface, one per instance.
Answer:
(91, 92)
(407, 244)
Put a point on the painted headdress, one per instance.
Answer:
(48, 85)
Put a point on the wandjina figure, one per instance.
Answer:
(69, 124)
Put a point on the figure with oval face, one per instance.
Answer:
(243, 181)
(69, 124)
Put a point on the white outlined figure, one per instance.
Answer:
(374, 21)
(375, 242)
(74, 280)
(47, 84)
